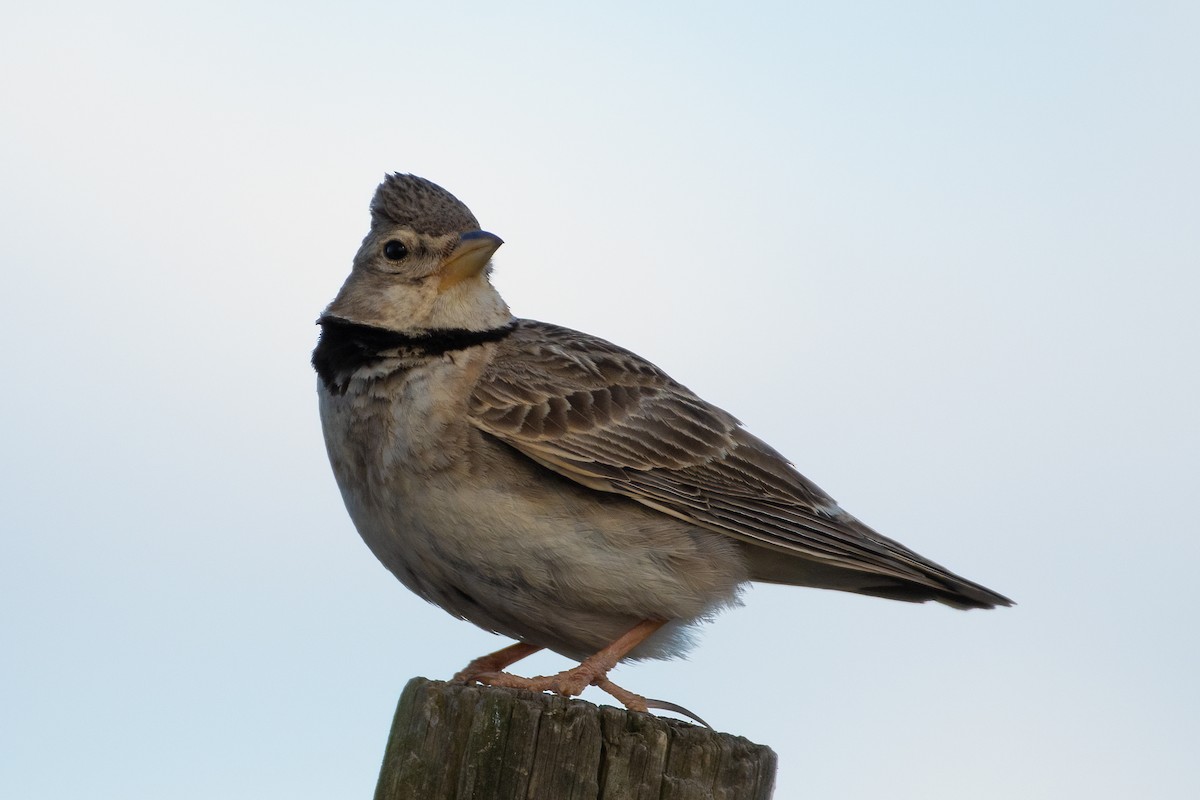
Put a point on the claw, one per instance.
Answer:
(489, 671)
(494, 662)
(678, 709)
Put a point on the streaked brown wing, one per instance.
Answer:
(612, 421)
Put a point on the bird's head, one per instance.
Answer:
(423, 266)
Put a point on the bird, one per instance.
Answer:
(550, 486)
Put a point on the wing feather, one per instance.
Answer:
(610, 420)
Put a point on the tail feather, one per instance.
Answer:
(769, 565)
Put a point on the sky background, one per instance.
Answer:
(945, 256)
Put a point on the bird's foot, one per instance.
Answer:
(568, 683)
(634, 702)
(593, 671)
(494, 662)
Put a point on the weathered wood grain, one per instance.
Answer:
(478, 743)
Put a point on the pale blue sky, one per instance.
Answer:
(944, 256)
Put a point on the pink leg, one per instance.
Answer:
(494, 662)
(593, 670)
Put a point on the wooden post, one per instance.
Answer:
(459, 742)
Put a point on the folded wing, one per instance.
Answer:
(612, 421)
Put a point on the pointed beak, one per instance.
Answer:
(469, 257)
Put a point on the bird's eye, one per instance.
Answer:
(395, 250)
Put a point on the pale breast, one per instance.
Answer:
(474, 526)
(389, 435)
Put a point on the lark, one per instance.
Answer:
(553, 487)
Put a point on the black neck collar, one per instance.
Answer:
(345, 346)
